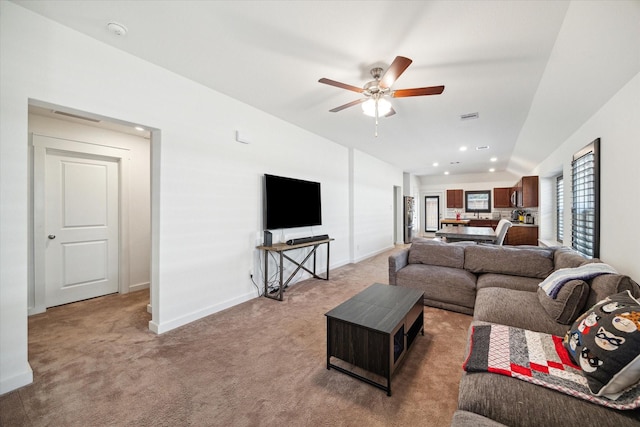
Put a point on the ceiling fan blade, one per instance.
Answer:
(340, 85)
(351, 104)
(419, 91)
(394, 71)
(390, 113)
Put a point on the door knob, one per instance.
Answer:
(51, 236)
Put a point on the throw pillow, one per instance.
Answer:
(568, 304)
(605, 343)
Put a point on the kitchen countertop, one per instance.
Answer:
(522, 224)
(466, 221)
(455, 221)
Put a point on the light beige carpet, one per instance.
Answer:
(261, 363)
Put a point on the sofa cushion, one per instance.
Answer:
(515, 308)
(565, 257)
(605, 343)
(610, 284)
(519, 283)
(466, 419)
(436, 253)
(509, 260)
(450, 285)
(568, 304)
(518, 403)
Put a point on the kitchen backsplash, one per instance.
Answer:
(495, 214)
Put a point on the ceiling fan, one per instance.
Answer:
(374, 103)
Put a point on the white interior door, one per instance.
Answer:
(80, 222)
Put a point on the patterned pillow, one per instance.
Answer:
(605, 343)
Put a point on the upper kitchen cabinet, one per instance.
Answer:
(502, 197)
(454, 199)
(527, 192)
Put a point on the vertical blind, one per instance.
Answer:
(585, 218)
(560, 208)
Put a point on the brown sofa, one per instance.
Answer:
(500, 285)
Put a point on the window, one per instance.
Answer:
(478, 201)
(560, 208)
(585, 209)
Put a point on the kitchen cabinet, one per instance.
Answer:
(454, 199)
(502, 197)
(527, 192)
(522, 235)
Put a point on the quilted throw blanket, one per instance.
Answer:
(536, 358)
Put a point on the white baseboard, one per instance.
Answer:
(139, 286)
(372, 254)
(196, 315)
(16, 381)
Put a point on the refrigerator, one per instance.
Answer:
(409, 218)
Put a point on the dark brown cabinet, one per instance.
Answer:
(521, 235)
(454, 199)
(527, 192)
(502, 197)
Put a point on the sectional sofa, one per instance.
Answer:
(500, 287)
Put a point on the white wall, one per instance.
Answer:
(139, 241)
(206, 187)
(617, 124)
(373, 195)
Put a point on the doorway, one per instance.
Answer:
(93, 158)
(431, 213)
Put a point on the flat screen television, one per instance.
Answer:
(290, 203)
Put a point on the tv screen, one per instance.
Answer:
(290, 203)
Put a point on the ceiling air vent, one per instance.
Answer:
(469, 116)
(62, 113)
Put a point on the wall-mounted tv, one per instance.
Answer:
(290, 203)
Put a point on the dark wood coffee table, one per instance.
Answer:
(374, 329)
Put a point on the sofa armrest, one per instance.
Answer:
(397, 261)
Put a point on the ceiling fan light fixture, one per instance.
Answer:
(369, 107)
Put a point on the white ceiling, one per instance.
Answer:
(533, 70)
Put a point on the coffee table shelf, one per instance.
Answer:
(374, 330)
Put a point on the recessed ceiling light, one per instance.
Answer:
(140, 128)
(446, 172)
(482, 147)
(463, 148)
(493, 159)
(492, 170)
(435, 163)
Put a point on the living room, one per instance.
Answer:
(206, 186)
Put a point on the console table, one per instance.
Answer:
(280, 249)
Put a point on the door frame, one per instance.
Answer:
(43, 143)
(431, 196)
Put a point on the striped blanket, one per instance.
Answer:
(556, 280)
(536, 358)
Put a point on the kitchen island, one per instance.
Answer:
(453, 221)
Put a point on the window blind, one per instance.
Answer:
(560, 208)
(585, 218)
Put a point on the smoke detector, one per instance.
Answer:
(117, 29)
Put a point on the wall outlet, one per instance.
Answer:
(250, 272)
